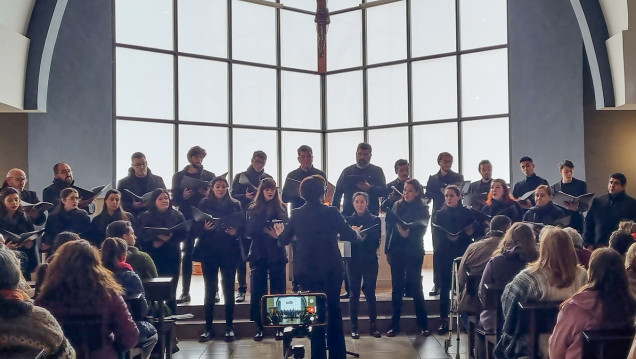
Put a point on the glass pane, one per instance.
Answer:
(145, 23)
(253, 32)
(309, 5)
(495, 149)
(386, 32)
(213, 139)
(202, 90)
(300, 100)
(344, 100)
(246, 141)
(291, 140)
(434, 89)
(341, 152)
(483, 23)
(298, 41)
(485, 83)
(388, 95)
(144, 84)
(389, 145)
(343, 4)
(254, 95)
(344, 41)
(155, 140)
(433, 29)
(428, 142)
(203, 27)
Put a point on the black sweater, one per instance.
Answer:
(526, 185)
(604, 215)
(547, 214)
(138, 186)
(415, 212)
(454, 220)
(346, 186)
(367, 250)
(511, 210)
(264, 249)
(435, 185)
(177, 190)
(238, 189)
(217, 244)
(76, 221)
(52, 194)
(17, 224)
(290, 189)
(97, 231)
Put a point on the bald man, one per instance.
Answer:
(17, 179)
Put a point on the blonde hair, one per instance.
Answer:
(630, 258)
(557, 256)
(628, 227)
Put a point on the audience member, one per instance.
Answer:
(620, 242)
(40, 272)
(630, 267)
(583, 254)
(113, 252)
(140, 261)
(603, 303)
(555, 276)
(628, 227)
(76, 283)
(26, 329)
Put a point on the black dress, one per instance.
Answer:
(218, 250)
(406, 255)
(363, 266)
(17, 224)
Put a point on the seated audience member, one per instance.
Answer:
(63, 179)
(603, 303)
(630, 267)
(25, 329)
(620, 242)
(544, 211)
(475, 259)
(40, 272)
(141, 262)
(114, 258)
(76, 283)
(628, 227)
(582, 253)
(555, 276)
(139, 181)
(66, 217)
(500, 202)
(14, 219)
(111, 211)
(517, 248)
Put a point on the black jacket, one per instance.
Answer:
(217, 243)
(52, 194)
(238, 190)
(168, 256)
(477, 188)
(574, 188)
(138, 186)
(97, 230)
(177, 190)
(390, 196)
(76, 221)
(18, 224)
(526, 185)
(604, 215)
(366, 250)
(316, 227)
(547, 214)
(347, 187)
(435, 184)
(264, 249)
(512, 210)
(454, 220)
(290, 189)
(415, 212)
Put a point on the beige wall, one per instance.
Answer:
(13, 142)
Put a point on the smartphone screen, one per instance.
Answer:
(294, 310)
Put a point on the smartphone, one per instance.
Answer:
(284, 310)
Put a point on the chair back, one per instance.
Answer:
(85, 332)
(135, 306)
(472, 283)
(607, 343)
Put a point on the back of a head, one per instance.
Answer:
(557, 256)
(113, 250)
(607, 276)
(577, 240)
(620, 242)
(630, 258)
(312, 188)
(118, 229)
(64, 237)
(519, 235)
(9, 269)
(628, 227)
(500, 223)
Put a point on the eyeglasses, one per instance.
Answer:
(20, 179)
(138, 165)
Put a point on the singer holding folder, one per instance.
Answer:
(14, 220)
(291, 192)
(574, 187)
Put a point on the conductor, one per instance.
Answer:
(315, 227)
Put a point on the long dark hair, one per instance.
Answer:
(228, 195)
(4, 212)
(119, 212)
(274, 207)
(113, 249)
(607, 276)
(152, 205)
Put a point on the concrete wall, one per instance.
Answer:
(77, 127)
(546, 86)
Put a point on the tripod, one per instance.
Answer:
(298, 351)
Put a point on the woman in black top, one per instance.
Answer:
(66, 217)
(363, 264)
(163, 248)
(111, 211)
(501, 203)
(405, 253)
(455, 227)
(218, 249)
(14, 220)
(545, 211)
(266, 256)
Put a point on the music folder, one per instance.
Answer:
(560, 199)
(40, 206)
(193, 183)
(89, 195)
(144, 198)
